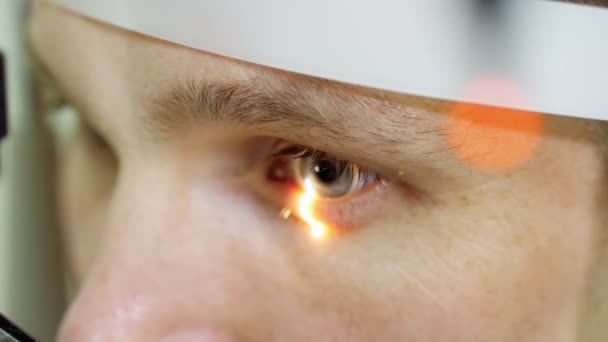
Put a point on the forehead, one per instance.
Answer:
(125, 50)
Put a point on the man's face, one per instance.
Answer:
(437, 227)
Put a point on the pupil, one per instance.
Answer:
(326, 171)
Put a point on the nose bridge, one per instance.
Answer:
(159, 244)
(156, 205)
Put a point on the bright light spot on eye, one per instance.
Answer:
(306, 203)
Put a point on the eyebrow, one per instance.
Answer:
(272, 98)
(280, 100)
(361, 121)
(245, 102)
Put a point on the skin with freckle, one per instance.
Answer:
(171, 237)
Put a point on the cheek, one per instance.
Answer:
(469, 272)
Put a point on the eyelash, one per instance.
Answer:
(294, 152)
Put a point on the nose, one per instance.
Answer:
(169, 269)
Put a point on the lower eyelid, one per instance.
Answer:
(356, 211)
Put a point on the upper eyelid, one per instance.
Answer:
(293, 150)
(388, 175)
(301, 151)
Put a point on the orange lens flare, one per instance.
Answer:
(494, 139)
(306, 203)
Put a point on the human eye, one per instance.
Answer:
(330, 194)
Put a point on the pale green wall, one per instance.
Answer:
(31, 281)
